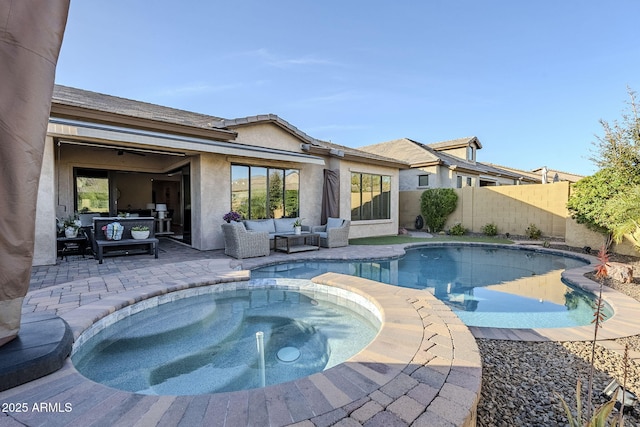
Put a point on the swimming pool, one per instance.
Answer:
(209, 342)
(487, 286)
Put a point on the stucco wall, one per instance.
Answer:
(382, 227)
(268, 135)
(44, 252)
(443, 177)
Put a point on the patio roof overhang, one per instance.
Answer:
(108, 136)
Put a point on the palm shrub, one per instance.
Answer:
(436, 205)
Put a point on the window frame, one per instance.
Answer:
(246, 205)
(370, 196)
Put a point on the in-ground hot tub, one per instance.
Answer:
(226, 337)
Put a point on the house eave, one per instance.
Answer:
(69, 112)
(116, 136)
(348, 155)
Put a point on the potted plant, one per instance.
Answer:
(71, 226)
(297, 226)
(232, 216)
(139, 232)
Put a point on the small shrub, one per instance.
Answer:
(533, 232)
(457, 230)
(490, 229)
(436, 205)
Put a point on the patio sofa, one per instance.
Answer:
(272, 226)
(334, 234)
(242, 243)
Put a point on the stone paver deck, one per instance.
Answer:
(423, 368)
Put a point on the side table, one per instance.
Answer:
(72, 245)
(163, 226)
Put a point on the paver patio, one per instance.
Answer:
(422, 369)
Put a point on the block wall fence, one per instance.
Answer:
(513, 208)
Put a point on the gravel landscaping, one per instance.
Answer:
(522, 380)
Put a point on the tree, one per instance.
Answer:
(619, 148)
(609, 200)
(436, 205)
(625, 216)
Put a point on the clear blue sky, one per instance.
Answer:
(530, 79)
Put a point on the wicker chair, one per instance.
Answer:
(334, 234)
(240, 243)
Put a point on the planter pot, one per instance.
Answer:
(70, 232)
(297, 230)
(139, 234)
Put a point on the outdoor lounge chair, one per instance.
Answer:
(334, 234)
(241, 243)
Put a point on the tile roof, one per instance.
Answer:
(98, 102)
(403, 149)
(353, 152)
(74, 97)
(537, 173)
(418, 155)
(454, 143)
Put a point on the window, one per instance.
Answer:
(471, 154)
(92, 190)
(423, 180)
(458, 182)
(469, 181)
(261, 192)
(370, 196)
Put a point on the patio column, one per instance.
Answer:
(31, 34)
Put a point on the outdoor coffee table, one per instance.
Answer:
(296, 242)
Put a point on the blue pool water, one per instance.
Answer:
(207, 343)
(486, 286)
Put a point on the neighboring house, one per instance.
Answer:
(552, 175)
(448, 164)
(106, 155)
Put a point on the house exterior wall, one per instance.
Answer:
(210, 199)
(444, 177)
(381, 227)
(460, 152)
(45, 245)
(268, 135)
(210, 181)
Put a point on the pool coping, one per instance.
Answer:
(408, 396)
(623, 323)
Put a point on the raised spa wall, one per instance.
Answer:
(423, 367)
